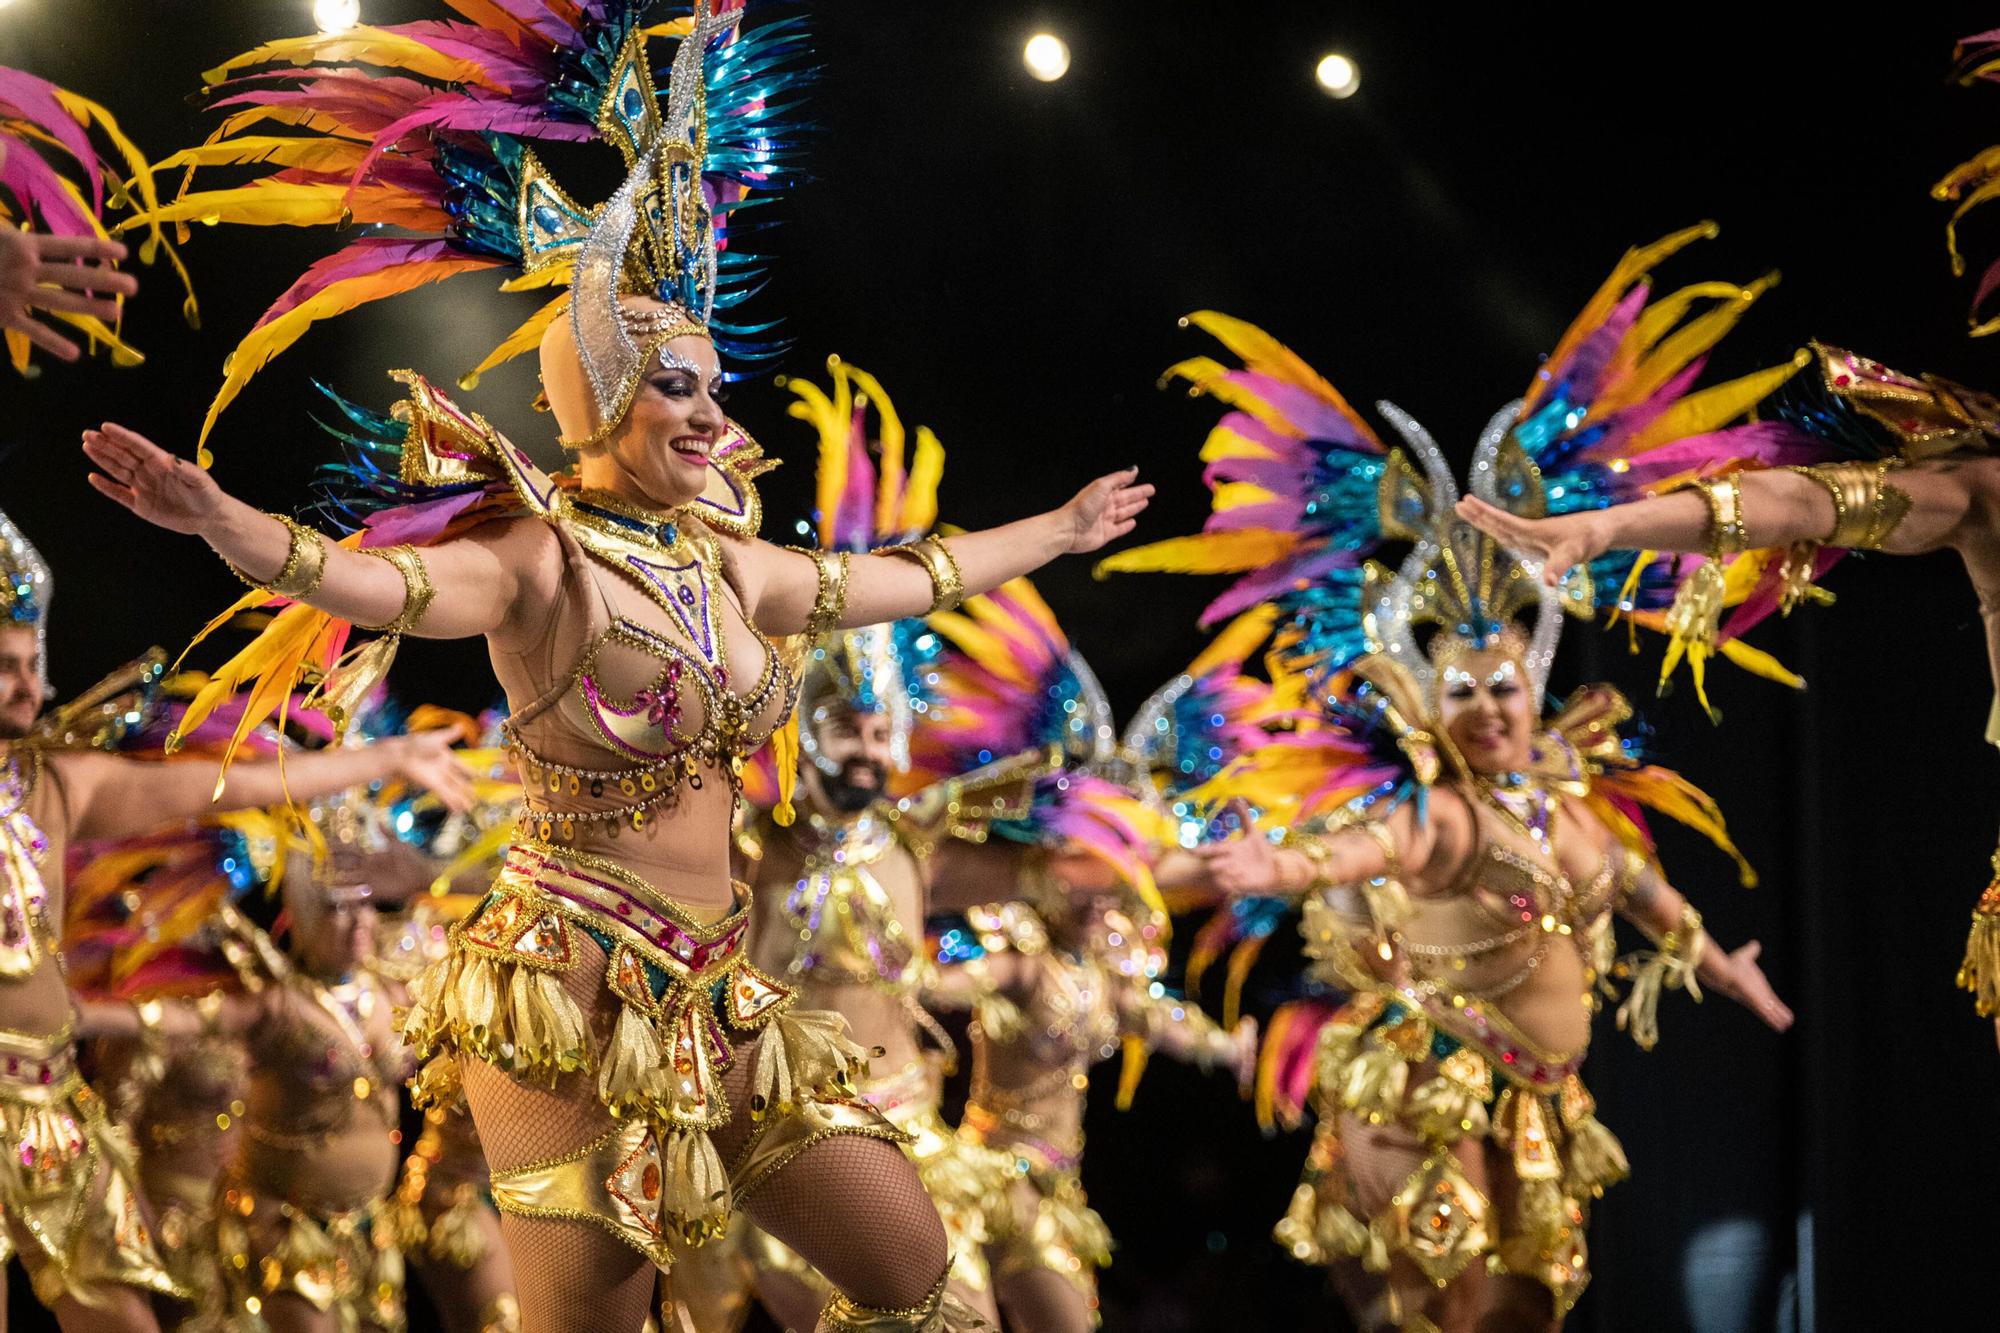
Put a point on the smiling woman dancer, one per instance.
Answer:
(632, 1078)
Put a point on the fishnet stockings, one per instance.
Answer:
(851, 1206)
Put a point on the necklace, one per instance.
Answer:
(676, 573)
(1526, 805)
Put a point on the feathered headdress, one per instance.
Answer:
(873, 489)
(1975, 181)
(1305, 493)
(26, 587)
(441, 150)
(54, 178)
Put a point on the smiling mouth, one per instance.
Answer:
(692, 446)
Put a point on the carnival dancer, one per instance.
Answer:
(69, 1196)
(632, 1076)
(446, 1224)
(841, 894)
(1067, 972)
(1919, 471)
(302, 1214)
(1460, 855)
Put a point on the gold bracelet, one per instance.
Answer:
(417, 589)
(830, 598)
(304, 567)
(947, 581)
(1726, 534)
(1392, 861)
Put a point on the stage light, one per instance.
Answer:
(336, 15)
(1046, 56)
(1338, 76)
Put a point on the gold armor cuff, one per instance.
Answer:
(1726, 534)
(947, 581)
(1866, 508)
(830, 599)
(304, 568)
(417, 589)
(929, 1315)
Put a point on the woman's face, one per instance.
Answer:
(1486, 706)
(661, 448)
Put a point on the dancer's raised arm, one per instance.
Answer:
(793, 591)
(454, 589)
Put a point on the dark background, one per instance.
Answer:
(1010, 258)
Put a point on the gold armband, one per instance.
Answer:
(304, 567)
(417, 589)
(1866, 508)
(1726, 534)
(947, 582)
(1392, 860)
(1671, 967)
(830, 598)
(1317, 854)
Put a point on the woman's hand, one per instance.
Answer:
(1749, 987)
(66, 275)
(1561, 543)
(1245, 866)
(425, 759)
(1105, 510)
(166, 491)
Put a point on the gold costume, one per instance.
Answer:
(69, 1176)
(1437, 1058)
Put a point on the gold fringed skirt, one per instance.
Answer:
(1050, 1224)
(687, 1000)
(1385, 1061)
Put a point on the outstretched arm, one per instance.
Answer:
(115, 797)
(1178, 1028)
(1252, 865)
(1779, 507)
(1665, 916)
(784, 586)
(60, 275)
(482, 583)
(168, 1022)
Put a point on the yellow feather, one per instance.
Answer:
(140, 180)
(284, 150)
(785, 755)
(360, 44)
(1681, 346)
(1654, 321)
(1759, 662)
(982, 645)
(1713, 407)
(1238, 639)
(523, 339)
(263, 344)
(1230, 495)
(1206, 376)
(1629, 270)
(889, 473)
(1222, 442)
(920, 497)
(1207, 553)
(1260, 352)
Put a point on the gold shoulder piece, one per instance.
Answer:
(449, 446)
(102, 715)
(730, 502)
(965, 807)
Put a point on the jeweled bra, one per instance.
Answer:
(682, 574)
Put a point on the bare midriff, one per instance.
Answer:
(1514, 933)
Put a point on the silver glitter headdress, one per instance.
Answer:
(28, 586)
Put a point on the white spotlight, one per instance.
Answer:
(1046, 56)
(336, 15)
(1338, 76)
